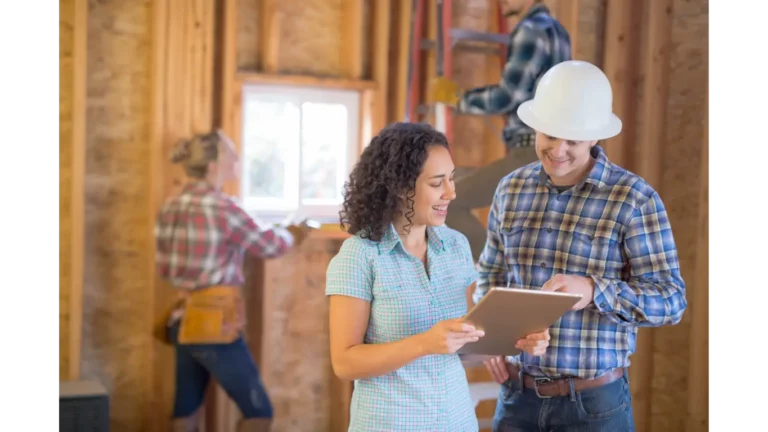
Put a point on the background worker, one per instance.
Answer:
(202, 237)
(537, 42)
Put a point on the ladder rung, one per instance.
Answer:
(458, 34)
(426, 108)
(429, 44)
(423, 109)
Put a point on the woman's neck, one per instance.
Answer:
(414, 236)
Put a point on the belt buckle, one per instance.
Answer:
(536, 382)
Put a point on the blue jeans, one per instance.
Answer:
(607, 408)
(233, 368)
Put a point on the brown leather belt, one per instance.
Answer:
(552, 387)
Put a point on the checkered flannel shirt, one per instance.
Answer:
(202, 236)
(537, 43)
(611, 227)
(431, 393)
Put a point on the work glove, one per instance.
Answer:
(444, 90)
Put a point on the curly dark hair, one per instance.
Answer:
(387, 170)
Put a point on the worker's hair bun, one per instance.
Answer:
(180, 151)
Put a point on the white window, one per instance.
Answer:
(299, 146)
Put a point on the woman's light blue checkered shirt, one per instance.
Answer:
(431, 393)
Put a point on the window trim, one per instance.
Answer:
(353, 94)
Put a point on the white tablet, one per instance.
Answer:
(509, 314)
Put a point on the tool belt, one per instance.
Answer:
(212, 315)
(552, 387)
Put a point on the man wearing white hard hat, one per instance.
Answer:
(575, 222)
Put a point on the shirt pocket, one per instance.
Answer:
(518, 241)
(512, 234)
(594, 251)
(400, 308)
(451, 289)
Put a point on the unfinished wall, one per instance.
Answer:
(295, 359)
(309, 36)
(591, 31)
(116, 327)
(686, 108)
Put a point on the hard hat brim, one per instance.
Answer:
(554, 129)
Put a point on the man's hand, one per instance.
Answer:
(535, 343)
(574, 285)
(497, 366)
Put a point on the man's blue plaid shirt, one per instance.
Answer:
(611, 227)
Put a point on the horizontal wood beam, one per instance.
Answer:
(305, 81)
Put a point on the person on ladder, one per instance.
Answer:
(537, 42)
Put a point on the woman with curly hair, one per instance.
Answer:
(398, 288)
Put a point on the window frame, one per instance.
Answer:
(352, 98)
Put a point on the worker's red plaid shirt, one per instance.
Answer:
(202, 236)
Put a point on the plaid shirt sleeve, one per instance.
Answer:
(493, 271)
(654, 294)
(529, 54)
(163, 231)
(243, 231)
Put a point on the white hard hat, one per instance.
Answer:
(573, 101)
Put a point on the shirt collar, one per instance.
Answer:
(198, 186)
(391, 238)
(536, 8)
(598, 176)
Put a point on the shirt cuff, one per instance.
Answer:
(606, 297)
(461, 106)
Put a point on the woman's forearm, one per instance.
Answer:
(371, 360)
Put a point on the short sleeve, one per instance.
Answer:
(349, 272)
(468, 263)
